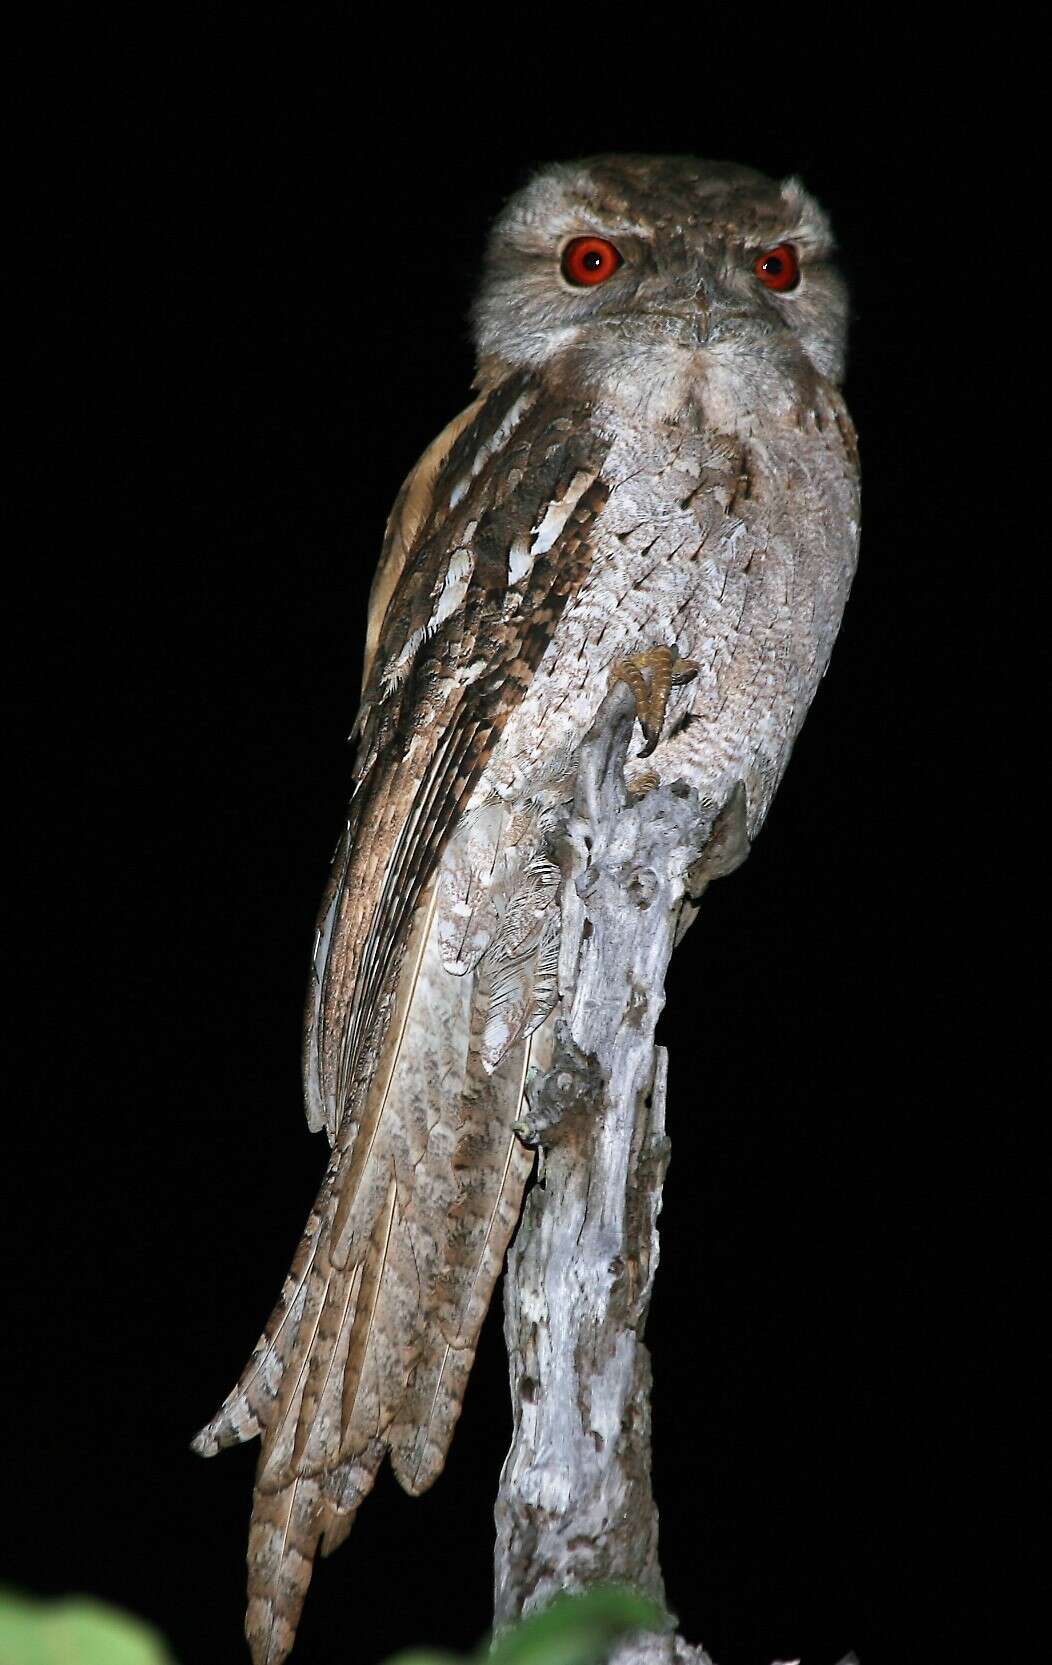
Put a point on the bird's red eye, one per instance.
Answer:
(778, 268)
(589, 260)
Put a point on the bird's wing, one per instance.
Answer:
(369, 1347)
(410, 513)
(460, 640)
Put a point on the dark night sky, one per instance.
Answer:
(248, 257)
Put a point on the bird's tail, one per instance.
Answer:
(369, 1348)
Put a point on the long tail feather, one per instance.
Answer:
(370, 1347)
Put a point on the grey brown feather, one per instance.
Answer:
(662, 459)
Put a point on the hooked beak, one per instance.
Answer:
(684, 326)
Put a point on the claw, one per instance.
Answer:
(643, 783)
(666, 672)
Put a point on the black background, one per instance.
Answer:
(248, 250)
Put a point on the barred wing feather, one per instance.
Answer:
(416, 1049)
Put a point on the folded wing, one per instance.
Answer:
(434, 965)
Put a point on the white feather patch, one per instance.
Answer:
(496, 441)
(548, 528)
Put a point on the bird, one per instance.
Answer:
(657, 481)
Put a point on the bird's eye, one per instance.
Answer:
(589, 260)
(778, 268)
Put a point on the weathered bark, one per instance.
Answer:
(575, 1506)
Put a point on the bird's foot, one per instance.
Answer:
(643, 783)
(667, 671)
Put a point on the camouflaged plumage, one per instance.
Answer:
(663, 460)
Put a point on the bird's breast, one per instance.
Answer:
(736, 549)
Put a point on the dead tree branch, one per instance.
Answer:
(575, 1506)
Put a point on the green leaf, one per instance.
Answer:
(571, 1630)
(73, 1631)
(577, 1630)
(427, 1657)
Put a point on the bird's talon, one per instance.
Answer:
(667, 671)
(650, 739)
(640, 785)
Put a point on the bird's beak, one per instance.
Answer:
(690, 324)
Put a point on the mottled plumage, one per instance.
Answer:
(661, 459)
